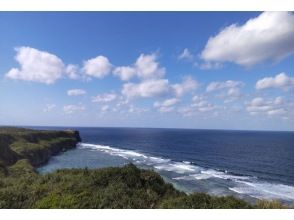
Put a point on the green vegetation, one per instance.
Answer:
(264, 204)
(127, 187)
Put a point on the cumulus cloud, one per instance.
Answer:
(279, 111)
(72, 71)
(167, 105)
(36, 66)
(229, 84)
(188, 84)
(105, 108)
(271, 107)
(146, 67)
(106, 97)
(199, 106)
(138, 110)
(49, 107)
(280, 81)
(98, 67)
(229, 90)
(76, 92)
(125, 73)
(71, 109)
(210, 65)
(186, 55)
(202, 105)
(148, 88)
(268, 37)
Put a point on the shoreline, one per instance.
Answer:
(173, 172)
(27, 162)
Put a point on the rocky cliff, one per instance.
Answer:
(37, 146)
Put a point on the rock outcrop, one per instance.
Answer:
(37, 146)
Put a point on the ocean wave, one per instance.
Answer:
(265, 190)
(188, 171)
(127, 154)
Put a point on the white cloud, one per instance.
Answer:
(166, 109)
(76, 92)
(72, 71)
(210, 65)
(234, 92)
(229, 84)
(280, 81)
(148, 88)
(146, 67)
(125, 73)
(71, 109)
(279, 101)
(279, 111)
(229, 90)
(268, 37)
(106, 97)
(186, 55)
(167, 105)
(105, 108)
(98, 67)
(199, 106)
(134, 109)
(258, 101)
(49, 107)
(167, 102)
(159, 88)
(188, 84)
(273, 107)
(36, 66)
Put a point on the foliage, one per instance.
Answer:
(205, 201)
(126, 187)
(265, 204)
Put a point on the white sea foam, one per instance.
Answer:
(113, 151)
(177, 167)
(189, 172)
(127, 154)
(223, 175)
(265, 190)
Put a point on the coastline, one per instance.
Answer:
(25, 166)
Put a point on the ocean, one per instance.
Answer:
(247, 164)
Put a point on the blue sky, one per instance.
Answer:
(212, 70)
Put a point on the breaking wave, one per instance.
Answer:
(187, 171)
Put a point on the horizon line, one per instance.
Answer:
(135, 127)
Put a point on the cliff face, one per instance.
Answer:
(35, 146)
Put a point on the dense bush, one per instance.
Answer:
(264, 204)
(205, 201)
(127, 187)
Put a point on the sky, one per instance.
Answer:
(204, 70)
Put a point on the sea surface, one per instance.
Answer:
(247, 164)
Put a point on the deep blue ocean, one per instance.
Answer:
(247, 164)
